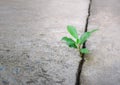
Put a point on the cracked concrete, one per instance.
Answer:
(81, 63)
(31, 52)
(103, 63)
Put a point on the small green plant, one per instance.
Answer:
(77, 41)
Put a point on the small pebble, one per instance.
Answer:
(5, 82)
(16, 70)
(2, 68)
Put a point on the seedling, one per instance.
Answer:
(77, 41)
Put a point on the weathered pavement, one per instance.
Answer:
(103, 65)
(31, 52)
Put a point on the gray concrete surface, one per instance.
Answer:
(31, 52)
(103, 64)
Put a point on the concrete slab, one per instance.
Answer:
(31, 52)
(103, 65)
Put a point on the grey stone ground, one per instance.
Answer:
(31, 52)
(103, 65)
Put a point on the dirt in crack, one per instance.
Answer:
(78, 82)
(81, 63)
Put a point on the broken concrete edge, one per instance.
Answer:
(81, 63)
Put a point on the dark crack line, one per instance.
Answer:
(81, 63)
(78, 82)
(87, 19)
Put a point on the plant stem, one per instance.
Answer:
(79, 47)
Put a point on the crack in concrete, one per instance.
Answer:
(81, 63)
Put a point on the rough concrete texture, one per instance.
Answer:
(31, 52)
(103, 65)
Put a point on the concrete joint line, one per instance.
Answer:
(81, 63)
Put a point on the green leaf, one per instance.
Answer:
(84, 50)
(78, 41)
(72, 31)
(69, 42)
(86, 35)
(93, 30)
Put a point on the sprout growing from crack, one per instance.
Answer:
(77, 42)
